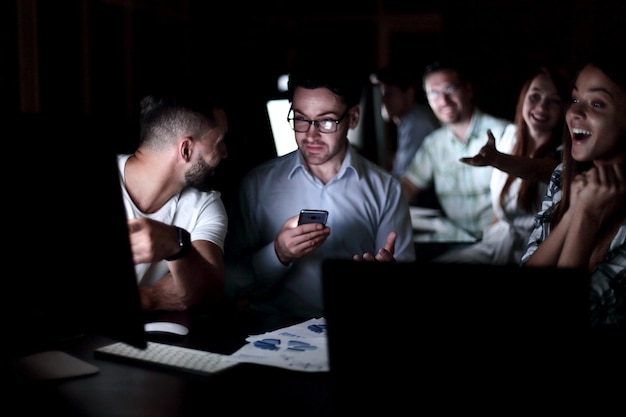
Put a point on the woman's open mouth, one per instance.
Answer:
(580, 134)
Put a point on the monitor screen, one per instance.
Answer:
(72, 269)
(284, 139)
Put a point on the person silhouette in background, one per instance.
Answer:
(413, 120)
(582, 221)
(529, 151)
(462, 190)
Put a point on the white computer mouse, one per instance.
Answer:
(166, 327)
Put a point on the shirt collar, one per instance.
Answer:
(351, 163)
(473, 129)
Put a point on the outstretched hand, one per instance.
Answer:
(384, 254)
(487, 154)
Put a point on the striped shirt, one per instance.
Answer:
(608, 280)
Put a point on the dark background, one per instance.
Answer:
(96, 58)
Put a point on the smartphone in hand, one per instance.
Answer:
(312, 216)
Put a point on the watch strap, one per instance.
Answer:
(184, 244)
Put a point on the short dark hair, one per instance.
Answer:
(403, 78)
(445, 65)
(164, 117)
(339, 79)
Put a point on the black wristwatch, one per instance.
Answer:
(184, 243)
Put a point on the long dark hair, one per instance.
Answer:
(613, 66)
(527, 196)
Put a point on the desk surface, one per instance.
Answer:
(131, 390)
(434, 234)
(123, 390)
(430, 226)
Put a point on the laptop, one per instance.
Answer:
(410, 337)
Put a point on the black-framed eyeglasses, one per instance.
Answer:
(302, 125)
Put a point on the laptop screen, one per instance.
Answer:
(407, 335)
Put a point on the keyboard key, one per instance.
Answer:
(170, 356)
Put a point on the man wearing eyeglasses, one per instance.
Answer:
(368, 216)
(462, 190)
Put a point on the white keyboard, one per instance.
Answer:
(170, 356)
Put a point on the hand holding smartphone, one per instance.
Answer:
(312, 216)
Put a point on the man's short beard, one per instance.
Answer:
(195, 179)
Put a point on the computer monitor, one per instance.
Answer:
(284, 139)
(69, 253)
(461, 334)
